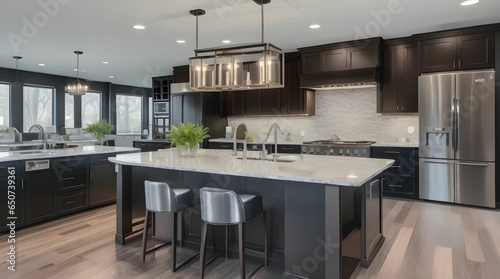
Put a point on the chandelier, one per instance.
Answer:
(77, 87)
(238, 67)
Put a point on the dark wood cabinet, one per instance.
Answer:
(401, 179)
(39, 196)
(399, 92)
(253, 102)
(343, 56)
(233, 103)
(11, 198)
(102, 184)
(271, 101)
(161, 88)
(147, 146)
(457, 53)
(181, 73)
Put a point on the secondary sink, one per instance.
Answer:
(34, 152)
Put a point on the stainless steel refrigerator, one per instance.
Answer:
(457, 137)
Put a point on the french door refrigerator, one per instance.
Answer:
(457, 137)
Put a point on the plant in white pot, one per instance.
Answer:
(187, 137)
(100, 129)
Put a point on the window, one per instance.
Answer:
(69, 111)
(4, 105)
(91, 108)
(128, 114)
(37, 106)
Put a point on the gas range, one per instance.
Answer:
(337, 148)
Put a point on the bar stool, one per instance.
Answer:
(225, 207)
(160, 197)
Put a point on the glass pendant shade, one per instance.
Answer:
(77, 87)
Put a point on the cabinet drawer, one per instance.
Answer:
(405, 169)
(69, 162)
(70, 202)
(101, 158)
(220, 145)
(395, 153)
(289, 148)
(399, 185)
(70, 181)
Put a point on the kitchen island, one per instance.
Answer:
(325, 212)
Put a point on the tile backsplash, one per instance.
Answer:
(348, 113)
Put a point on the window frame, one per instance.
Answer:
(100, 106)
(116, 114)
(54, 107)
(9, 106)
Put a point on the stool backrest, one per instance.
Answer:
(159, 197)
(221, 206)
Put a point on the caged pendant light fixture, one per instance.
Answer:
(237, 67)
(77, 87)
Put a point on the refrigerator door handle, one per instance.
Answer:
(474, 164)
(435, 162)
(456, 111)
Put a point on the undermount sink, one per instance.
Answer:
(35, 152)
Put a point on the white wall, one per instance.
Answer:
(348, 113)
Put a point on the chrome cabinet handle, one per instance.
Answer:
(392, 152)
(475, 164)
(395, 186)
(67, 178)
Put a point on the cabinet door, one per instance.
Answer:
(292, 99)
(39, 194)
(361, 58)
(476, 51)
(191, 106)
(253, 105)
(392, 58)
(102, 184)
(335, 60)
(438, 54)
(408, 80)
(271, 101)
(11, 196)
(312, 63)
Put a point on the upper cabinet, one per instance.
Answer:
(181, 73)
(399, 92)
(341, 56)
(475, 51)
(161, 88)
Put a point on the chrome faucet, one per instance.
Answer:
(17, 134)
(244, 140)
(276, 128)
(41, 132)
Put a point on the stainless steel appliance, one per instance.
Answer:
(337, 148)
(457, 137)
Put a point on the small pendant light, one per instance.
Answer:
(17, 83)
(77, 87)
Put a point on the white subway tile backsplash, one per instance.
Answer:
(348, 113)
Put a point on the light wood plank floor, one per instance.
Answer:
(423, 240)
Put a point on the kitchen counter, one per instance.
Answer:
(230, 140)
(396, 144)
(154, 140)
(331, 170)
(311, 201)
(54, 153)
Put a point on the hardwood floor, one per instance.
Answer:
(423, 240)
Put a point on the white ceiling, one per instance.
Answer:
(103, 30)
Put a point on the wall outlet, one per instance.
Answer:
(302, 133)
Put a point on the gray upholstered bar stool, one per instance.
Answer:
(160, 197)
(225, 207)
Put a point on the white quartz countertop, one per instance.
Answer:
(54, 153)
(396, 144)
(332, 170)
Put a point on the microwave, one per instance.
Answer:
(161, 107)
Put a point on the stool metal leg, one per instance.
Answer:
(174, 240)
(241, 244)
(203, 248)
(227, 242)
(145, 234)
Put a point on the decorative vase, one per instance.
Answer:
(185, 151)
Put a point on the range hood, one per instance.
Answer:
(356, 78)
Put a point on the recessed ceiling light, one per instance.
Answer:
(111, 76)
(226, 41)
(41, 65)
(139, 27)
(314, 26)
(469, 2)
(105, 62)
(180, 41)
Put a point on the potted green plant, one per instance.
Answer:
(187, 137)
(100, 129)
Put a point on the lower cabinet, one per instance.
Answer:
(151, 146)
(102, 184)
(39, 194)
(401, 179)
(11, 195)
(72, 202)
